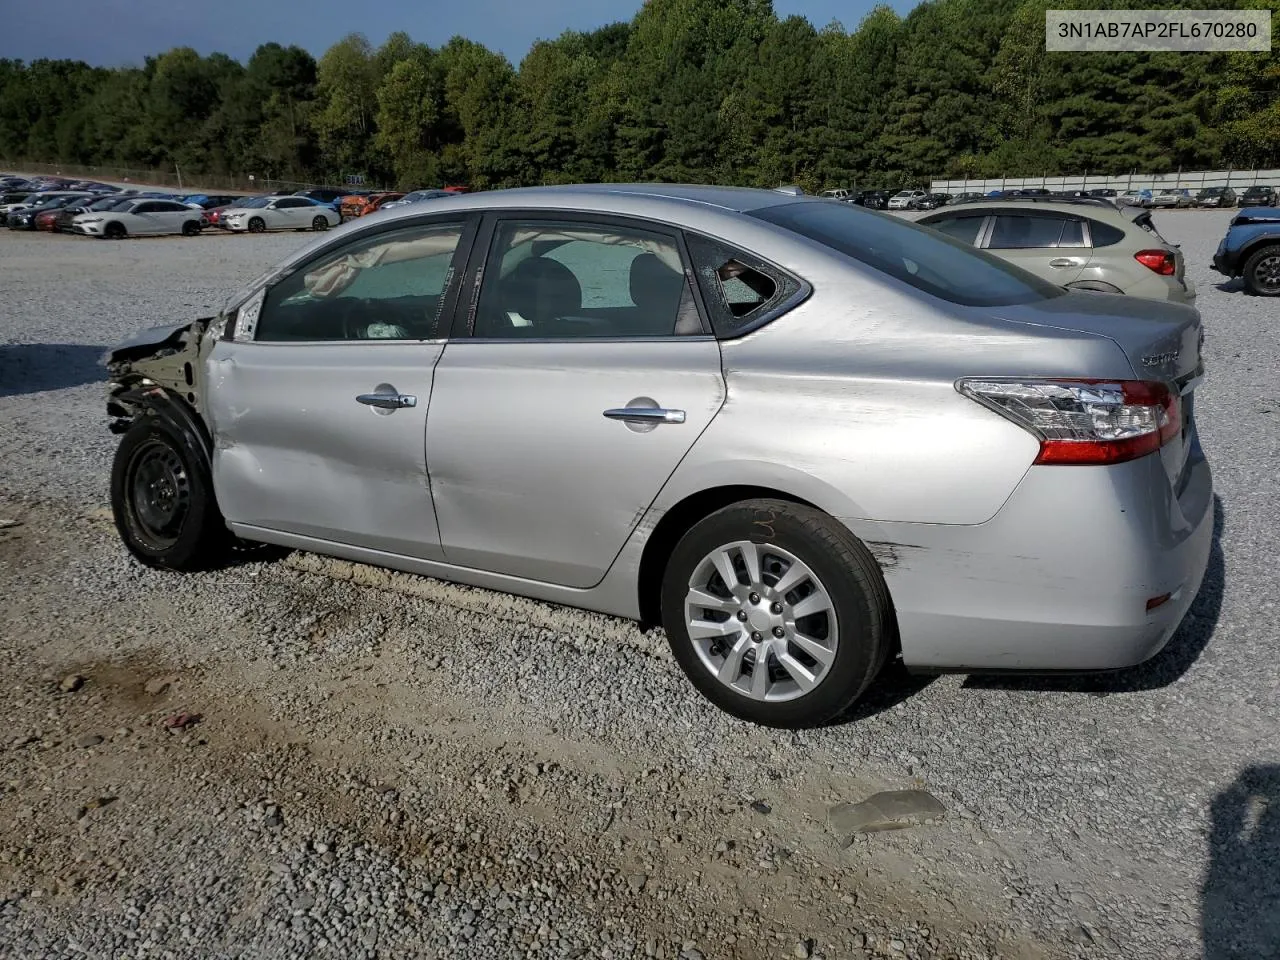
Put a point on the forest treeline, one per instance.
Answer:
(688, 90)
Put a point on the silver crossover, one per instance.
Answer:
(1085, 244)
(802, 437)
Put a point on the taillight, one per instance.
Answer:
(1162, 262)
(1082, 422)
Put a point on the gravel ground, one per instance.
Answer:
(379, 765)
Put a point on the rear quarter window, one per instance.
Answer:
(1104, 234)
(739, 289)
(917, 256)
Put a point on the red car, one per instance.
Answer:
(47, 221)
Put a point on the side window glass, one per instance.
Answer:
(144, 208)
(962, 228)
(737, 287)
(566, 280)
(390, 286)
(1104, 234)
(1072, 234)
(1022, 233)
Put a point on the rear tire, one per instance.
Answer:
(1262, 272)
(823, 638)
(319, 223)
(114, 231)
(191, 229)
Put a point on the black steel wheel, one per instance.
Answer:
(162, 499)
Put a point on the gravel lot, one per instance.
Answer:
(388, 766)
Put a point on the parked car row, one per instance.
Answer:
(1170, 197)
(113, 213)
(12, 182)
(1256, 196)
(110, 215)
(888, 199)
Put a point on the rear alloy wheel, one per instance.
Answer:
(191, 229)
(777, 613)
(319, 223)
(257, 225)
(1262, 272)
(114, 230)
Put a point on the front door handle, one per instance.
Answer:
(645, 415)
(388, 401)
(1064, 262)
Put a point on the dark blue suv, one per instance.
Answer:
(1251, 249)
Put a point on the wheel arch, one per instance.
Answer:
(675, 522)
(138, 401)
(1253, 245)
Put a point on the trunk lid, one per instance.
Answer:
(1162, 341)
(1143, 219)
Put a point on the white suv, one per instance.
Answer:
(906, 199)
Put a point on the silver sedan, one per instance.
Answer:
(802, 437)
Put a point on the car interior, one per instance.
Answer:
(540, 297)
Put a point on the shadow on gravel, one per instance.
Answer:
(1234, 285)
(1240, 917)
(37, 367)
(1182, 650)
(891, 687)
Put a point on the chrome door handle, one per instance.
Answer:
(1064, 262)
(388, 401)
(645, 415)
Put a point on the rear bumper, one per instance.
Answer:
(1060, 578)
(1152, 286)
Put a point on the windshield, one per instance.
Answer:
(919, 256)
(1256, 191)
(254, 202)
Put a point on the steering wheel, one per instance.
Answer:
(352, 314)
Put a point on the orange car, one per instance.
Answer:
(360, 204)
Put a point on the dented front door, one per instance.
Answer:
(325, 440)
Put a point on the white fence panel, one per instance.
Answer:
(1188, 179)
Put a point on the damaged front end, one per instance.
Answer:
(158, 370)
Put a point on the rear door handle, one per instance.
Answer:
(1064, 262)
(645, 415)
(388, 401)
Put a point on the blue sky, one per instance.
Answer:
(119, 32)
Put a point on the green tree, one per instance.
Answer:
(346, 101)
